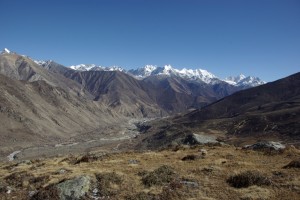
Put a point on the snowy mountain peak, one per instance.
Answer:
(150, 68)
(167, 70)
(235, 79)
(242, 80)
(84, 67)
(168, 67)
(93, 67)
(143, 72)
(241, 76)
(114, 68)
(5, 51)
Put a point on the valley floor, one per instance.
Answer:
(200, 172)
(109, 138)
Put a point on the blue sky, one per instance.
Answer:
(225, 37)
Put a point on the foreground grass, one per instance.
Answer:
(163, 174)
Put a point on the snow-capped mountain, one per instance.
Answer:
(86, 67)
(233, 80)
(168, 70)
(143, 72)
(244, 81)
(93, 67)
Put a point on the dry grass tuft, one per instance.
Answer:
(161, 175)
(90, 158)
(141, 196)
(46, 193)
(248, 178)
(174, 190)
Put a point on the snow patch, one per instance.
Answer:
(12, 156)
(6, 51)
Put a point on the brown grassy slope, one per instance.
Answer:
(207, 176)
(35, 113)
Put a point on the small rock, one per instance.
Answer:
(132, 161)
(62, 171)
(95, 191)
(95, 194)
(191, 184)
(31, 193)
(203, 152)
(8, 189)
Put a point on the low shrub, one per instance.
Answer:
(248, 178)
(141, 196)
(105, 181)
(49, 192)
(161, 175)
(190, 157)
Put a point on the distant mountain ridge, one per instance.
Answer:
(166, 71)
(242, 80)
(267, 112)
(155, 91)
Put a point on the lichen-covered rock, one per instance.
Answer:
(74, 189)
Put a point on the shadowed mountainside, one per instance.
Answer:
(270, 111)
(177, 95)
(118, 91)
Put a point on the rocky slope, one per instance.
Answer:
(223, 172)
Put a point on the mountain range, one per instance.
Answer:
(168, 71)
(141, 92)
(43, 102)
(267, 112)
